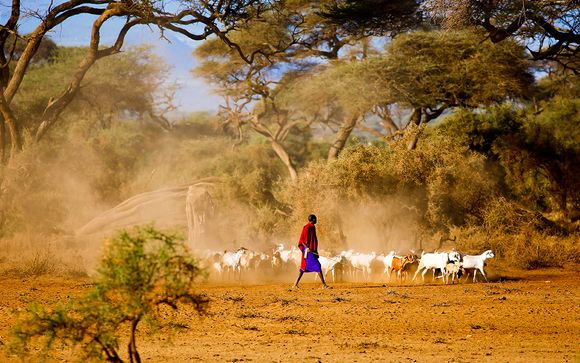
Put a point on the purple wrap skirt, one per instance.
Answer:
(312, 264)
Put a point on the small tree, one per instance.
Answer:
(139, 273)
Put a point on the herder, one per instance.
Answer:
(308, 244)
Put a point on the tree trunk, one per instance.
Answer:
(55, 107)
(283, 155)
(564, 201)
(10, 122)
(132, 347)
(342, 136)
(414, 122)
(32, 46)
(2, 141)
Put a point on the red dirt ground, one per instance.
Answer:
(526, 317)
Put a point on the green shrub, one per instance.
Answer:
(140, 272)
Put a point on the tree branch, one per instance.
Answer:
(568, 37)
(56, 107)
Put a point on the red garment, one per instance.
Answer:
(308, 239)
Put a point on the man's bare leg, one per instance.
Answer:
(324, 285)
(300, 273)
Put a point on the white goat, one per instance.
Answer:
(295, 256)
(388, 262)
(232, 261)
(292, 255)
(477, 263)
(361, 262)
(436, 261)
(215, 261)
(331, 265)
(453, 270)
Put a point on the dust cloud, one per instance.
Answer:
(66, 202)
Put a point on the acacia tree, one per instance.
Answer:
(250, 90)
(430, 72)
(545, 153)
(535, 152)
(196, 20)
(104, 95)
(284, 43)
(551, 29)
(289, 44)
(374, 17)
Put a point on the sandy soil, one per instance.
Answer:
(523, 317)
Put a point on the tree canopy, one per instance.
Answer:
(550, 29)
(374, 17)
(196, 20)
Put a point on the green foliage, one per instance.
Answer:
(140, 273)
(480, 130)
(547, 152)
(420, 70)
(536, 153)
(46, 49)
(426, 69)
(560, 83)
(126, 82)
(340, 87)
(533, 24)
(268, 40)
(265, 95)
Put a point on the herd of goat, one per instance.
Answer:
(348, 265)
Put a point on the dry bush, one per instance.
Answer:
(528, 249)
(46, 263)
(504, 216)
(533, 250)
(434, 187)
(41, 263)
(525, 239)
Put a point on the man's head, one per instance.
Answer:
(312, 219)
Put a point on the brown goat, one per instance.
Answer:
(402, 264)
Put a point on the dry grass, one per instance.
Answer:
(32, 256)
(41, 263)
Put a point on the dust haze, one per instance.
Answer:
(67, 216)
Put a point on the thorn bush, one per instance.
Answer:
(140, 272)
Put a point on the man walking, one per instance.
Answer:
(308, 244)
